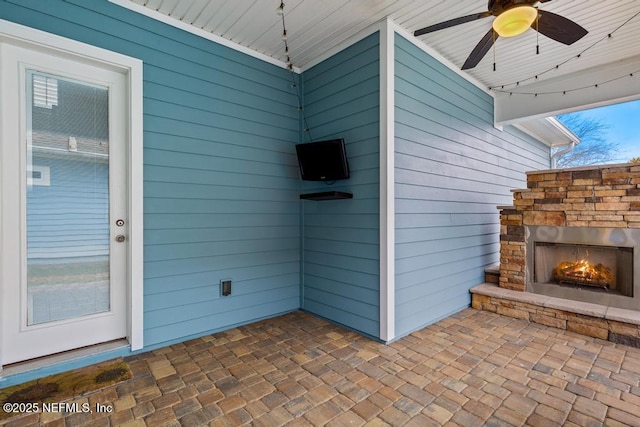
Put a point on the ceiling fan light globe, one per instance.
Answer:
(515, 21)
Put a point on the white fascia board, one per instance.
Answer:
(617, 82)
(548, 130)
(135, 7)
(563, 130)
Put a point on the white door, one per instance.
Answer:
(63, 221)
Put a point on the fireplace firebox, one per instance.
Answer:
(597, 268)
(597, 265)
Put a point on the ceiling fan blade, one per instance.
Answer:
(480, 50)
(451, 23)
(558, 28)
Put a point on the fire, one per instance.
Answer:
(585, 273)
(583, 266)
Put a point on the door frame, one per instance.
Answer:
(16, 34)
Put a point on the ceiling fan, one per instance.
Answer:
(513, 17)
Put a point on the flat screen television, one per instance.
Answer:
(323, 160)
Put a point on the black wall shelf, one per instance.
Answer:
(327, 195)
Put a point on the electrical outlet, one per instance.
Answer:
(225, 287)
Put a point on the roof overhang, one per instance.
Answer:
(549, 131)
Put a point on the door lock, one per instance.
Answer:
(120, 222)
(120, 238)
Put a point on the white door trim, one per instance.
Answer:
(11, 33)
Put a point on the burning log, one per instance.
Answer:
(584, 273)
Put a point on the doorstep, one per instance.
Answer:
(599, 321)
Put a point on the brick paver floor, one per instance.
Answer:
(473, 368)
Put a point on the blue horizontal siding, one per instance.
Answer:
(204, 220)
(222, 234)
(165, 284)
(179, 265)
(209, 305)
(231, 179)
(416, 220)
(208, 132)
(452, 168)
(222, 119)
(340, 243)
(191, 294)
(227, 247)
(219, 314)
(220, 174)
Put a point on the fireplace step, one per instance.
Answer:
(599, 321)
(492, 274)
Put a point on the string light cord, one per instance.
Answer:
(285, 36)
(564, 92)
(501, 87)
(301, 107)
(294, 84)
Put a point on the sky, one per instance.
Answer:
(624, 122)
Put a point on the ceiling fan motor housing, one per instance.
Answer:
(496, 7)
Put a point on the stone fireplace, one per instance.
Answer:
(574, 229)
(570, 248)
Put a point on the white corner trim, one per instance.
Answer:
(158, 16)
(11, 32)
(438, 57)
(387, 181)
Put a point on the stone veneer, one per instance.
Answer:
(601, 196)
(594, 196)
(607, 323)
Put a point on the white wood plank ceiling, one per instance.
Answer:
(316, 26)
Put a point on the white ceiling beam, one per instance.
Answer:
(524, 104)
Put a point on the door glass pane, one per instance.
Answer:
(67, 198)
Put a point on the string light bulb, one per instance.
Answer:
(289, 65)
